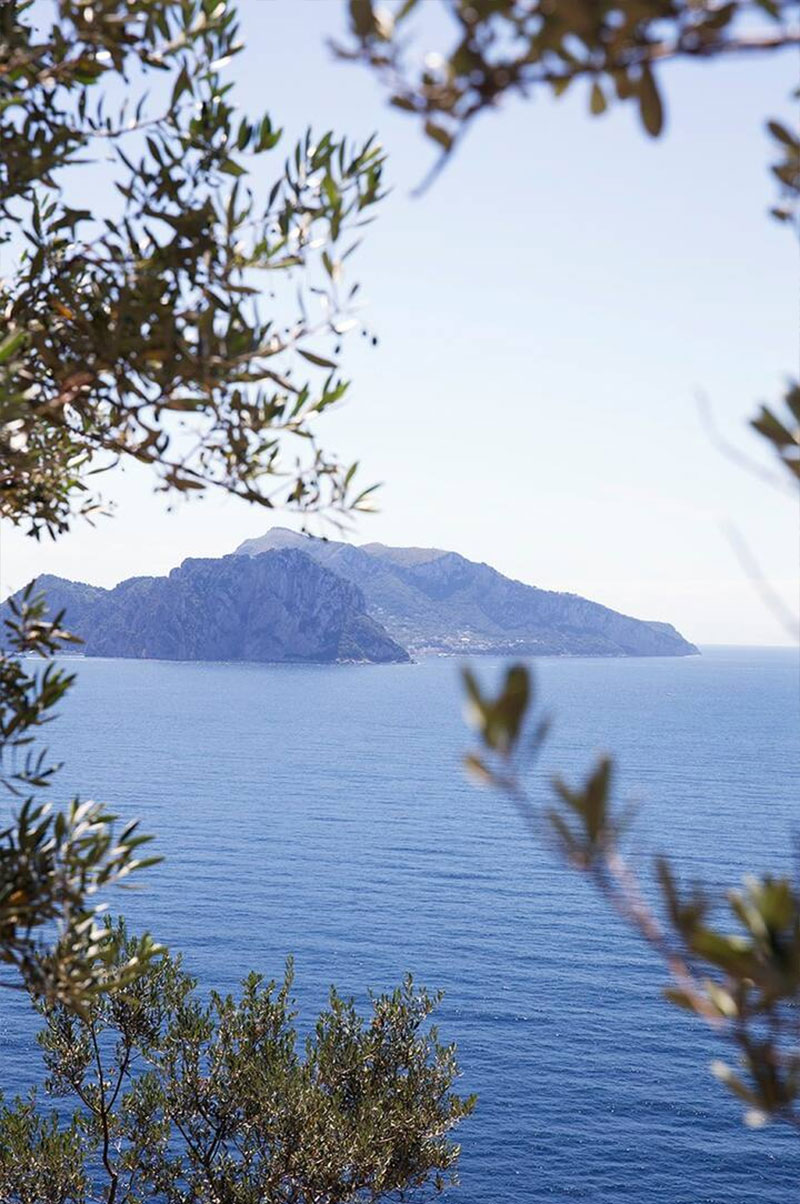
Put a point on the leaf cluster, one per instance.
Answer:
(140, 332)
(783, 433)
(181, 1100)
(614, 47)
(734, 962)
(53, 863)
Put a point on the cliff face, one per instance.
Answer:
(435, 601)
(278, 607)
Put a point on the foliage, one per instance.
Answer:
(40, 1159)
(138, 331)
(184, 1101)
(616, 49)
(27, 699)
(738, 971)
(746, 982)
(53, 863)
(787, 169)
(783, 432)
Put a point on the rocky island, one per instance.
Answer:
(289, 598)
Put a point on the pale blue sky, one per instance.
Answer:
(548, 313)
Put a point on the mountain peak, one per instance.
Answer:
(282, 537)
(276, 537)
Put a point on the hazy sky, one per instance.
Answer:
(548, 314)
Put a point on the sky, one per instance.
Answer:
(550, 313)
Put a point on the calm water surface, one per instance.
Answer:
(322, 812)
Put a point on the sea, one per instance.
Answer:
(323, 812)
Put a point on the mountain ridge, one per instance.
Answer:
(434, 600)
(285, 597)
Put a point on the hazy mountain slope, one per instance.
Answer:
(432, 600)
(283, 606)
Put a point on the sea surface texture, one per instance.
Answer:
(322, 811)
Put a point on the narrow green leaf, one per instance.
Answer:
(650, 106)
(597, 100)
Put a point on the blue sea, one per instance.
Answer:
(322, 811)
